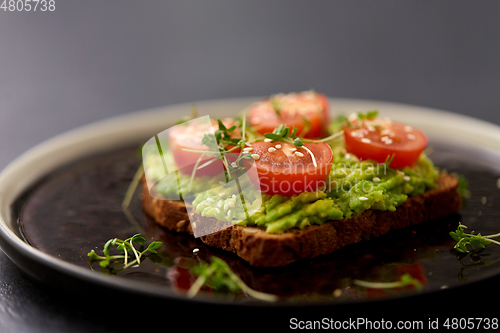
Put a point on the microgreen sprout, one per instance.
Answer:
(405, 281)
(218, 275)
(282, 133)
(467, 242)
(130, 255)
(360, 117)
(221, 143)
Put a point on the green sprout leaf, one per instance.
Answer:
(272, 136)
(217, 275)
(298, 142)
(282, 133)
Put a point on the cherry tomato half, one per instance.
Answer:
(190, 137)
(286, 170)
(291, 109)
(376, 139)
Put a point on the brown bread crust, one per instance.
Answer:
(170, 214)
(260, 248)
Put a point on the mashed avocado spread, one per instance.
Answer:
(353, 187)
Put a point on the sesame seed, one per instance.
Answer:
(278, 146)
(229, 214)
(222, 194)
(299, 154)
(220, 203)
(196, 250)
(411, 136)
(255, 156)
(366, 140)
(217, 210)
(352, 117)
(293, 149)
(234, 165)
(376, 179)
(271, 149)
(230, 204)
(400, 172)
(408, 128)
(388, 132)
(347, 155)
(268, 140)
(357, 134)
(234, 196)
(407, 178)
(387, 140)
(247, 149)
(210, 199)
(363, 198)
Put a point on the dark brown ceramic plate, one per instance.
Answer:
(75, 206)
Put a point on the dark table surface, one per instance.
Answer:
(89, 60)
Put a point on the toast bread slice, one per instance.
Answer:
(170, 214)
(260, 248)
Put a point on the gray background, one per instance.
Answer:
(93, 59)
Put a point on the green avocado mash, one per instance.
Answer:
(353, 186)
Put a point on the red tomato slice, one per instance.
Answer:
(376, 139)
(180, 277)
(292, 109)
(190, 137)
(283, 169)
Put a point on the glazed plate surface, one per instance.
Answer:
(63, 198)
